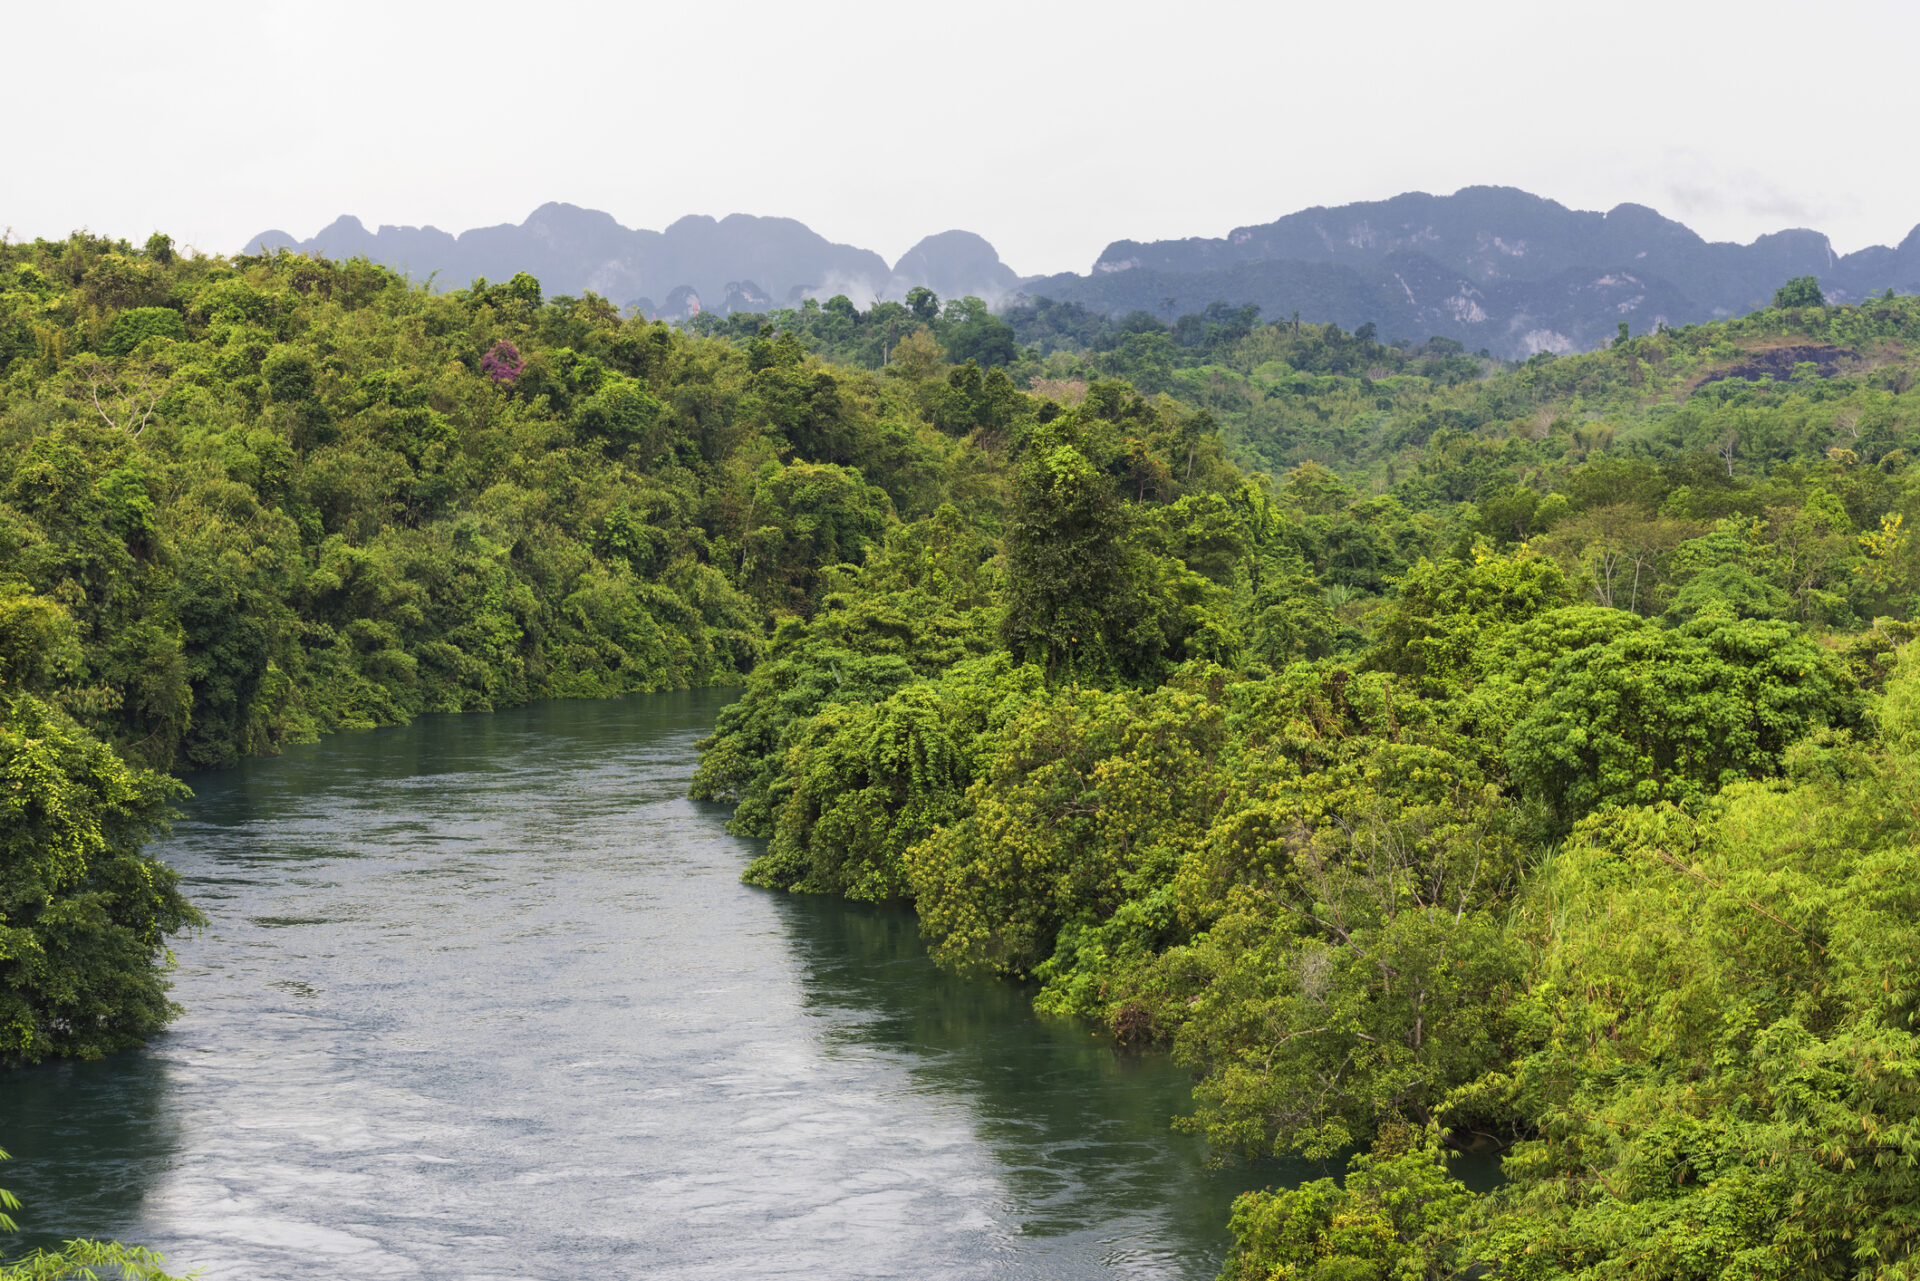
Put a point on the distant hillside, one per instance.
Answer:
(738, 263)
(1492, 267)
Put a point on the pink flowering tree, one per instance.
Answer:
(502, 364)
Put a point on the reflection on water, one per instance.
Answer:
(88, 1140)
(483, 997)
(1080, 1132)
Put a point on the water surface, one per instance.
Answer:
(483, 997)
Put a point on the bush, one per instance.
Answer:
(83, 915)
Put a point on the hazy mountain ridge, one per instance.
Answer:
(1492, 267)
(740, 262)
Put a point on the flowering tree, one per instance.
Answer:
(502, 364)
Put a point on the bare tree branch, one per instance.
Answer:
(124, 395)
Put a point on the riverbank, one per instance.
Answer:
(483, 995)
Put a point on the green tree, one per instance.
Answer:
(1356, 972)
(133, 329)
(1801, 291)
(1447, 612)
(1082, 804)
(1398, 1216)
(83, 914)
(809, 516)
(971, 332)
(1086, 598)
(923, 303)
(1724, 1086)
(865, 783)
(1659, 715)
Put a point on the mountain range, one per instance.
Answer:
(1491, 267)
(736, 263)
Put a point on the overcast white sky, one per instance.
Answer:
(1049, 128)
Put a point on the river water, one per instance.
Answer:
(483, 997)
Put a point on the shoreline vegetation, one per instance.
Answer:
(1429, 751)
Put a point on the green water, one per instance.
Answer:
(483, 997)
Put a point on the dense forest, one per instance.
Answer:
(1512, 757)
(1430, 752)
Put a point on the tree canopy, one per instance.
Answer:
(1427, 751)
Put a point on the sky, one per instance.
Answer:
(1050, 128)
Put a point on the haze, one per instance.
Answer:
(1049, 129)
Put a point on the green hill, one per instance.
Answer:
(1430, 752)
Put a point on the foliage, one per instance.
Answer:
(1801, 291)
(1398, 1216)
(870, 781)
(1085, 598)
(1660, 715)
(1413, 744)
(964, 331)
(82, 913)
(247, 501)
(88, 1261)
(289, 496)
(921, 603)
(1081, 813)
(77, 1260)
(1726, 1086)
(1510, 764)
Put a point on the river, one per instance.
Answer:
(483, 997)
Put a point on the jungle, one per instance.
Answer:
(1431, 753)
